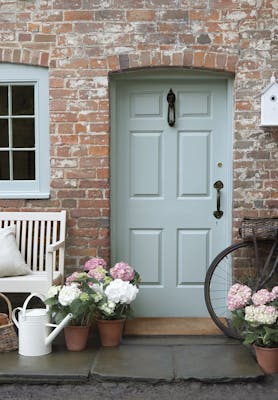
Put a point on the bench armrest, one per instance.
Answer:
(50, 259)
(55, 246)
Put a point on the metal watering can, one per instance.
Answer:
(34, 337)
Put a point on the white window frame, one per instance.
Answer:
(40, 187)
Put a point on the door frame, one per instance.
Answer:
(115, 79)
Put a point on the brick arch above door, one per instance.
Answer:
(214, 61)
(24, 56)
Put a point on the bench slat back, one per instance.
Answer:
(34, 232)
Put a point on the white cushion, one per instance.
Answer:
(11, 261)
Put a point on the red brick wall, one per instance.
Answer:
(81, 41)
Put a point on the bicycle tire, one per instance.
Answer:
(236, 263)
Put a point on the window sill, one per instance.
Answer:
(24, 195)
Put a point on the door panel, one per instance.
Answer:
(162, 190)
(188, 240)
(146, 250)
(145, 164)
(192, 104)
(190, 144)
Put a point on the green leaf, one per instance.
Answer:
(250, 338)
(51, 301)
(60, 316)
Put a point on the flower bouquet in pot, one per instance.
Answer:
(78, 298)
(255, 317)
(116, 288)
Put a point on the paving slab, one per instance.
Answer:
(215, 363)
(143, 363)
(184, 358)
(60, 365)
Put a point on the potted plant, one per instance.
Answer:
(255, 316)
(78, 298)
(116, 289)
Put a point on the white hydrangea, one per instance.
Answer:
(108, 307)
(261, 315)
(53, 291)
(97, 297)
(250, 315)
(98, 288)
(68, 294)
(119, 291)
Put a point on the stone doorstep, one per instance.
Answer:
(142, 359)
(59, 366)
(209, 363)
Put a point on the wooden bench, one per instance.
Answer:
(41, 240)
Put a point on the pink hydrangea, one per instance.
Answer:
(71, 278)
(238, 296)
(122, 271)
(94, 263)
(97, 273)
(262, 297)
(275, 291)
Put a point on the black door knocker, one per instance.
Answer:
(171, 98)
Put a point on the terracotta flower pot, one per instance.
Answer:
(76, 337)
(267, 359)
(110, 331)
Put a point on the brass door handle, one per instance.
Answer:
(218, 186)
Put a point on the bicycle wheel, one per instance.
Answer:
(237, 263)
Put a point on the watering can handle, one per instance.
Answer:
(14, 315)
(40, 296)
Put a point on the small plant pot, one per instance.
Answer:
(76, 337)
(267, 359)
(110, 331)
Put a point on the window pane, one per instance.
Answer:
(4, 165)
(24, 165)
(3, 100)
(23, 132)
(23, 100)
(4, 134)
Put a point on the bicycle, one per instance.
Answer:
(252, 261)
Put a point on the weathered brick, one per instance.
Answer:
(82, 42)
(33, 27)
(210, 61)
(177, 59)
(64, 28)
(74, 63)
(199, 58)
(44, 59)
(78, 15)
(65, 128)
(67, 4)
(38, 37)
(85, 212)
(114, 15)
(16, 56)
(188, 58)
(24, 37)
(140, 15)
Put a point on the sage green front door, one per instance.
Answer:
(163, 195)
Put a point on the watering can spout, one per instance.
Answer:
(57, 330)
